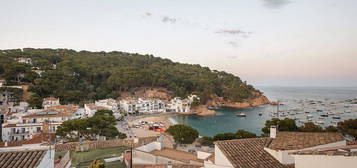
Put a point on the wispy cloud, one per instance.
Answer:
(232, 57)
(167, 19)
(148, 14)
(275, 3)
(237, 32)
(232, 44)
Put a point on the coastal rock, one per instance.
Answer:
(204, 111)
(258, 101)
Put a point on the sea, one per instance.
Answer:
(304, 104)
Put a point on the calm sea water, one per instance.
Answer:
(227, 121)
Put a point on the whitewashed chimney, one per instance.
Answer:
(273, 131)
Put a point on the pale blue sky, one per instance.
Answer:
(266, 42)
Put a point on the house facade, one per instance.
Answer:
(50, 102)
(280, 150)
(24, 127)
(132, 106)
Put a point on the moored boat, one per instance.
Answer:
(241, 115)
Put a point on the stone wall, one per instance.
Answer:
(89, 145)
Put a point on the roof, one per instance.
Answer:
(28, 125)
(177, 155)
(165, 166)
(328, 153)
(50, 99)
(47, 115)
(29, 159)
(92, 106)
(249, 153)
(301, 140)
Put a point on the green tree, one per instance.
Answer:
(183, 134)
(97, 164)
(1, 70)
(206, 141)
(35, 101)
(285, 124)
(224, 136)
(87, 128)
(87, 76)
(310, 127)
(348, 127)
(331, 129)
(242, 134)
(104, 112)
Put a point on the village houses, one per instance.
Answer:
(24, 60)
(285, 150)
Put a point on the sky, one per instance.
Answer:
(265, 42)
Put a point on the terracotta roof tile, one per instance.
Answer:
(29, 159)
(249, 153)
(301, 140)
(177, 155)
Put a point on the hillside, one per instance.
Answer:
(86, 76)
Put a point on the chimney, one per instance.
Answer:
(273, 131)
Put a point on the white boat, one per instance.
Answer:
(320, 122)
(241, 115)
(309, 116)
(336, 117)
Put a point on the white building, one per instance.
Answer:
(109, 104)
(90, 109)
(23, 127)
(154, 154)
(274, 151)
(143, 106)
(179, 105)
(34, 158)
(24, 60)
(50, 102)
(344, 156)
(2, 82)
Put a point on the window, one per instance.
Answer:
(38, 129)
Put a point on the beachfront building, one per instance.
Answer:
(178, 104)
(50, 102)
(140, 105)
(90, 109)
(24, 60)
(273, 151)
(109, 104)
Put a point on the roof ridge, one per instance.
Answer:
(243, 139)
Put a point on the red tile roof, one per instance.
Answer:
(50, 99)
(177, 155)
(28, 159)
(249, 153)
(301, 140)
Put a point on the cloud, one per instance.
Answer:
(232, 44)
(148, 14)
(237, 32)
(166, 19)
(232, 57)
(275, 3)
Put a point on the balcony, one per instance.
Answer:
(19, 133)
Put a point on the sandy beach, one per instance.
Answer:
(163, 118)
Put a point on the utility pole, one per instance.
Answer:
(131, 157)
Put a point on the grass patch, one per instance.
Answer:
(83, 159)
